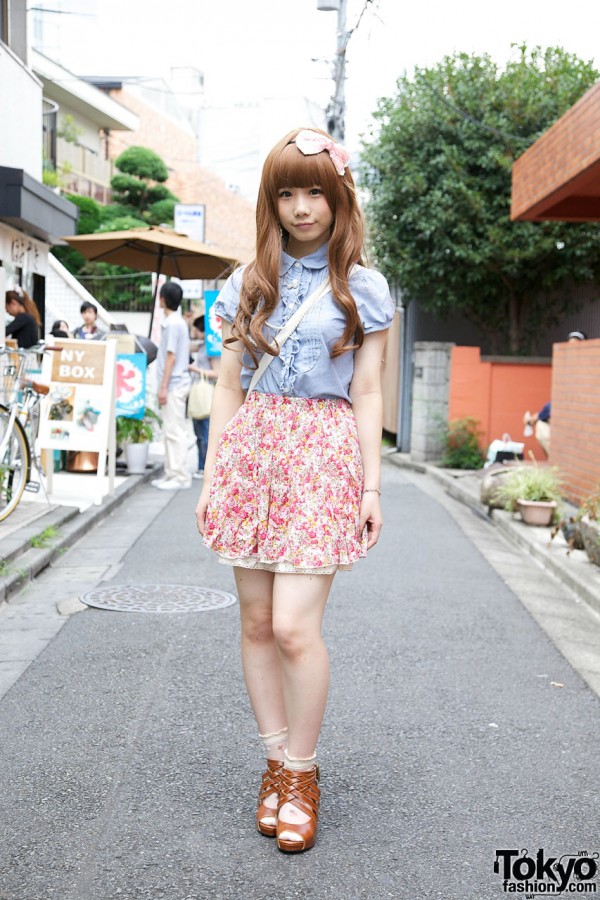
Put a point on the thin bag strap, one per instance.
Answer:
(289, 327)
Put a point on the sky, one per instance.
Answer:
(250, 49)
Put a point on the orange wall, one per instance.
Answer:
(575, 438)
(497, 394)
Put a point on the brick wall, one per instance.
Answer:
(567, 150)
(575, 436)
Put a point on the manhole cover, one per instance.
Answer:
(157, 598)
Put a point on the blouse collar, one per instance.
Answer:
(316, 260)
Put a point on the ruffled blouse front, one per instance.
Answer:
(304, 367)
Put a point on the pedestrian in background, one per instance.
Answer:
(173, 381)
(539, 423)
(291, 491)
(206, 367)
(89, 330)
(26, 324)
(60, 329)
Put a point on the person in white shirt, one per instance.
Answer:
(173, 388)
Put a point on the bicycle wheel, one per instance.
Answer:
(15, 464)
(32, 428)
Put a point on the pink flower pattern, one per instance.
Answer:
(286, 486)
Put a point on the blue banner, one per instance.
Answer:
(130, 385)
(212, 325)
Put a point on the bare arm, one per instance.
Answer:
(212, 374)
(365, 393)
(164, 385)
(228, 398)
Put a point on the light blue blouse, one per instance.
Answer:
(304, 367)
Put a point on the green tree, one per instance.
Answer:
(139, 185)
(437, 166)
(140, 198)
(90, 217)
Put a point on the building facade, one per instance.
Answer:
(32, 216)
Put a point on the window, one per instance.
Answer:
(4, 21)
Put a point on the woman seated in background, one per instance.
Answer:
(60, 329)
(26, 324)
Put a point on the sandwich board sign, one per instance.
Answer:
(79, 411)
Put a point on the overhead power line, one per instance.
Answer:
(465, 115)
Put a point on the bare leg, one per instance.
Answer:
(298, 607)
(262, 669)
(260, 658)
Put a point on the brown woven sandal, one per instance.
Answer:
(270, 785)
(301, 789)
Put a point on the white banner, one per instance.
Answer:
(189, 218)
(21, 251)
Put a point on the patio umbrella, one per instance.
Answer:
(155, 249)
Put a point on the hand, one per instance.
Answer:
(201, 508)
(370, 515)
(162, 396)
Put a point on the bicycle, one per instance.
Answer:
(20, 398)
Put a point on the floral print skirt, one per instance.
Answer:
(286, 487)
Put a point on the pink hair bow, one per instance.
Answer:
(309, 142)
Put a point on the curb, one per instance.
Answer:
(73, 525)
(585, 583)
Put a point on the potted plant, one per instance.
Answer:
(534, 491)
(462, 450)
(135, 435)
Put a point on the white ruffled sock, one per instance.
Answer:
(299, 765)
(275, 743)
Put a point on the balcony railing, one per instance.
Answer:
(81, 170)
(83, 161)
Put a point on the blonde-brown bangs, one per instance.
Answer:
(287, 167)
(292, 169)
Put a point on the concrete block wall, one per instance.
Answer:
(431, 393)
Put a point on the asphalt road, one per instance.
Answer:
(129, 764)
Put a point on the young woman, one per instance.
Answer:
(292, 475)
(26, 323)
(60, 329)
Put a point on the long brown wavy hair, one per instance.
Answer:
(24, 300)
(287, 166)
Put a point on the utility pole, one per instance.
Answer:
(336, 108)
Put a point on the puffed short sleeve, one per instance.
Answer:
(228, 300)
(373, 299)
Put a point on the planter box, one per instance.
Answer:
(537, 512)
(590, 532)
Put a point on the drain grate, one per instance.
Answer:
(157, 598)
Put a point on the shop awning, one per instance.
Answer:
(558, 177)
(30, 206)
